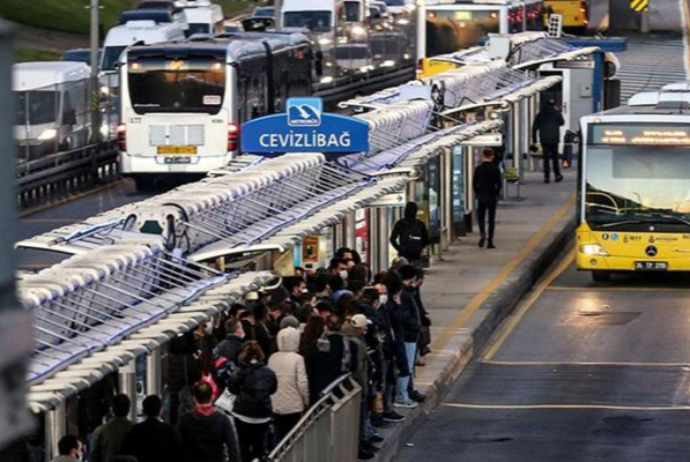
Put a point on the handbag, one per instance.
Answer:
(226, 402)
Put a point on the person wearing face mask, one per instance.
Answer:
(339, 267)
(70, 449)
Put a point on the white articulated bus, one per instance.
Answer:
(182, 103)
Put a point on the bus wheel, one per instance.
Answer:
(144, 183)
(601, 276)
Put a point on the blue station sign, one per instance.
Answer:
(305, 128)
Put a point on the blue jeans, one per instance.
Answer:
(404, 382)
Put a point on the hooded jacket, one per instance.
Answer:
(409, 236)
(253, 384)
(206, 435)
(292, 396)
(548, 125)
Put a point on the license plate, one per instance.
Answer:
(176, 150)
(177, 160)
(651, 266)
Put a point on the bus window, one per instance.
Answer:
(352, 10)
(449, 31)
(198, 28)
(190, 85)
(315, 21)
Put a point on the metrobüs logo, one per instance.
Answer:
(304, 112)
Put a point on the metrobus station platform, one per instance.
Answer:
(473, 289)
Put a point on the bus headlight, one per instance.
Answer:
(593, 249)
(47, 134)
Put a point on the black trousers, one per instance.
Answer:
(484, 206)
(252, 439)
(283, 423)
(551, 157)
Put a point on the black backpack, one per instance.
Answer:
(411, 239)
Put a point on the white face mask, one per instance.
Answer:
(383, 299)
(343, 274)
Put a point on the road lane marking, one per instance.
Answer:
(482, 296)
(584, 363)
(71, 198)
(513, 321)
(614, 289)
(563, 407)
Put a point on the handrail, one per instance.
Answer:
(341, 395)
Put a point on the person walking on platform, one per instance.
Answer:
(152, 440)
(206, 434)
(108, 438)
(548, 125)
(70, 449)
(410, 236)
(487, 184)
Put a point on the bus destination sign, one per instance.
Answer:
(305, 128)
(641, 135)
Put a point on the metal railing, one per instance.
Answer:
(329, 430)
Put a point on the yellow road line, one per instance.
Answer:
(583, 363)
(513, 321)
(561, 407)
(478, 300)
(615, 289)
(50, 205)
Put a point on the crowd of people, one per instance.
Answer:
(238, 385)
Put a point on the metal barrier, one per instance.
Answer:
(329, 430)
(64, 135)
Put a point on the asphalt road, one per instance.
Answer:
(581, 372)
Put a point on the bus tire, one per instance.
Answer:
(144, 183)
(601, 276)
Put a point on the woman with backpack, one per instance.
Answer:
(253, 384)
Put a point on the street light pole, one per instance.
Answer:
(95, 86)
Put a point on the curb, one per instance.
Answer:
(495, 310)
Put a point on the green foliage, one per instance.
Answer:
(29, 54)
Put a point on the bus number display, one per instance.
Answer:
(641, 135)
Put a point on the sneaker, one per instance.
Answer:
(547, 181)
(417, 396)
(409, 404)
(392, 416)
(491, 245)
(482, 240)
(376, 439)
(559, 178)
(378, 421)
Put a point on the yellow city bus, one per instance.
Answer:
(634, 189)
(575, 12)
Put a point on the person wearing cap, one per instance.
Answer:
(354, 331)
(548, 125)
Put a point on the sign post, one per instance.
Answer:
(305, 128)
(642, 7)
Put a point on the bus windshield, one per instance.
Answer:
(111, 55)
(637, 185)
(36, 107)
(452, 30)
(315, 21)
(189, 85)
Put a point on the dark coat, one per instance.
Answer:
(108, 438)
(397, 341)
(548, 125)
(152, 441)
(253, 384)
(326, 364)
(230, 348)
(410, 317)
(207, 438)
(487, 181)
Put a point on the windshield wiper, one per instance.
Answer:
(672, 217)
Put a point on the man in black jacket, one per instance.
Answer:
(410, 236)
(152, 440)
(487, 184)
(548, 125)
(231, 345)
(206, 434)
